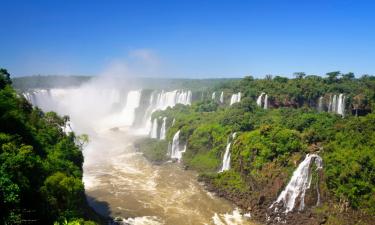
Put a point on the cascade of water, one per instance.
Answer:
(341, 105)
(320, 104)
(266, 102)
(163, 129)
(259, 99)
(298, 184)
(213, 96)
(226, 159)
(161, 101)
(235, 98)
(334, 103)
(132, 103)
(154, 129)
(330, 104)
(222, 97)
(174, 121)
(176, 153)
(234, 135)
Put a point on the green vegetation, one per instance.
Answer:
(40, 165)
(271, 143)
(153, 150)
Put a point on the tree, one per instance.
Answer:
(299, 75)
(4, 78)
(348, 76)
(333, 76)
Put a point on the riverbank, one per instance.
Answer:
(257, 197)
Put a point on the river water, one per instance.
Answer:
(120, 182)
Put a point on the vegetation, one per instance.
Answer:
(270, 143)
(40, 165)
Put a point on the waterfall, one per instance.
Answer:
(132, 103)
(341, 105)
(337, 104)
(213, 96)
(176, 153)
(298, 184)
(235, 98)
(320, 104)
(259, 99)
(174, 121)
(334, 103)
(226, 159)
(154, 129)
(266, 102)
(222, 97)
(163, 129)
(162, 100)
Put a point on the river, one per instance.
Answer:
(120, 182)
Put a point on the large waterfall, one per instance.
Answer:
(163, 129)
(222, 97)
(132, 103)
(235, 98)
(337, 104)
(176, 152)
(110, 107)
(298, 184)
(162, 100)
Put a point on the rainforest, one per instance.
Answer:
(274, 150)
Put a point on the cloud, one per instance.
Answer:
(137, 63)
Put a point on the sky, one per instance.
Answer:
(187, 39)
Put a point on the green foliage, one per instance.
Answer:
(271, 142)
(350, 163)
(4, 78)
(154, 150)
(40, 165)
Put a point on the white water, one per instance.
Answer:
(298, 184)
(320, 104)
(259, 99)
(163, 129)
(235, 98)
(154, 129)
(222, 97)
(213, 96)
(226, 159)
(337, 104)
(132, 103)
(161, 101)
(176, 152)
(233, 218)
(341, 105)
(266, 102)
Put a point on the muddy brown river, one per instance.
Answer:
(120, 182)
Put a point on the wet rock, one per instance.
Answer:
(261, 199)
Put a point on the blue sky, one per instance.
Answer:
(188, 38)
